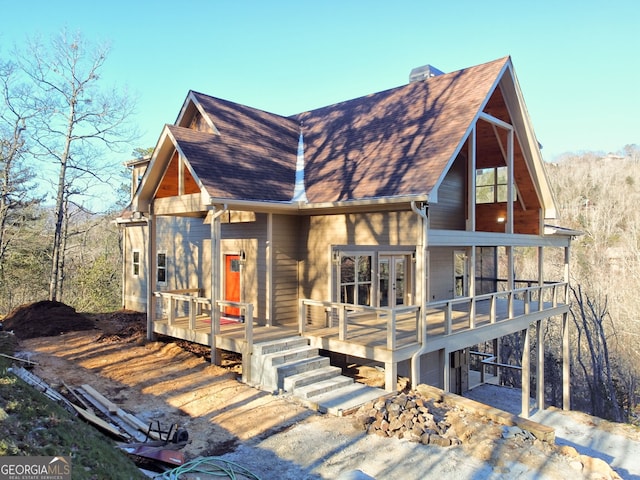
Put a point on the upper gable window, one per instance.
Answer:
(492, 185)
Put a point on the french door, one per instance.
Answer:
(393, 275)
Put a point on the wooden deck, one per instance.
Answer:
(450, 325)
(232, 336)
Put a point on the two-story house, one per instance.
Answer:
(389, 229)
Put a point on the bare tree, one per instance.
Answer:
(16, 111)
(589, 317)
(78, 121)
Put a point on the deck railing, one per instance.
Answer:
(196, 305)
(347, 317)
(172, 304)
(464, 312)
(443, 317)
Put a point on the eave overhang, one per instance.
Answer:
(304, 208)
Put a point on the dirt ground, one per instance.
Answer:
(173, 382)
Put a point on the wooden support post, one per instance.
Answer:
(496, 354)
(171, 314)
(302, 321)
(445, 361)
(391, 376)
(526, 373)
(566, 365)
(540, 366)
(566, 354)
(391, 329)
(151, 277)
(216, 354)
(540, 278)
(248, 344)
(193, 310)
(342, 324)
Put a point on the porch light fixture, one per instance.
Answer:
(500, 219)
(243, 257)
(336, 257)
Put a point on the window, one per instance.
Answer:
(136, 263)
(492, 185)
(355, 279)
(162, 268)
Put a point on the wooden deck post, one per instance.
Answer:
(151, 275)
(391, 329)
(391, 376)
(342, 324)
(216, 355)
(566, 366)
(526, 373)
(540, 366)
(248, 345)
(446, 378)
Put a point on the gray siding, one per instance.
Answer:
(134, 237)
(441, 273)
(450, 211)
(285, 252)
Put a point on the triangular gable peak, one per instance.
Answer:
(193, 115)
(502, 111)
(169, 175)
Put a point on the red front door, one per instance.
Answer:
(232, 283)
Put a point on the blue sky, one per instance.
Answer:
(577, 62)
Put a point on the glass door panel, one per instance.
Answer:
(392, 284)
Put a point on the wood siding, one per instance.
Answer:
(376, 230)
(285, 257)
(440, 273)
(134, 237)
(450, 211)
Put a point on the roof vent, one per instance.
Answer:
(419, 74)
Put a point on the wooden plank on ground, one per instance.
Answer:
(98, 422)
(114, 409)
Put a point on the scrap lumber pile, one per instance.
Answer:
(144, 442)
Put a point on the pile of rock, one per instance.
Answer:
(407, 416)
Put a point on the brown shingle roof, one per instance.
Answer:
(393, 143)
(253, 158)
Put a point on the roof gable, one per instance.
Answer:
(394, 143)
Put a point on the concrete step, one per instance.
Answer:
(272, 378)
(280, 345)
(288, 356)
(301, 366)
(346, 399)
(305, 378)
(324, 386)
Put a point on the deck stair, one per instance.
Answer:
(290, 365)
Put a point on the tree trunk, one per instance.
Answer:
(57, 252)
